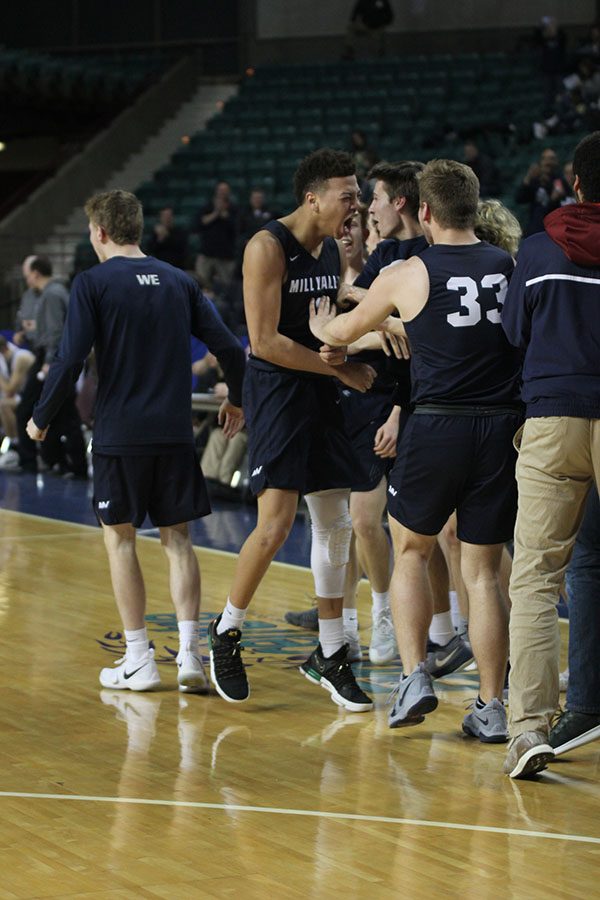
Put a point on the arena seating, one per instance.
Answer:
(417, 107)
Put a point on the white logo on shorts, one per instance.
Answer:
(392, 491)
(103, 504)
(257, 471)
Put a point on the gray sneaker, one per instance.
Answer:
(529, 753)
(413, 698)
(307, 618)
(488, 724)
(451, 657)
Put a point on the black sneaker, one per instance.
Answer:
(227, 671)
(447, 658)
(573, 729)
(334, 673)
(308, 618)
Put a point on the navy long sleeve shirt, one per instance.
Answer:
(138, 314)
(552, 313)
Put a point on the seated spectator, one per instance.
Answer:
(15, 363)
(222, 461)
(216, 224)
(169, 242)
(484, 168)
(544, 189)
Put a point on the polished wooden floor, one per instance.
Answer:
(120, 795)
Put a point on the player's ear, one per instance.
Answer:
(313, 201)
(399, 203)
(425, 212)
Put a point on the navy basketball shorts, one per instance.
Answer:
(364, 414)
(297, 440)
(456, 462)
(168, 487)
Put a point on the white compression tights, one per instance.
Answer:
(331, 528)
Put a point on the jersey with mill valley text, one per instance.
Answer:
(306, 278)
(460, 354)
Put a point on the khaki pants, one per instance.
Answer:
(223, 456)
(559, 457)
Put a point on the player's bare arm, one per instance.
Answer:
(402, 287)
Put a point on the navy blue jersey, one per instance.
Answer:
(460, 354)
(306, 277)
(138, 313)
(387, 252)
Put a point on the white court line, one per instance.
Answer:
(310, 813)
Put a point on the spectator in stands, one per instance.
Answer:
(590, 46)
(15, 363)
(169, 241)
(364, 156)
(67, 456)
(484, 168)
(24, 335)
(551, 40)
(252, 217)
(369, 19)
(221, 460)
(216, 225)
(207, 373)
(543, 188)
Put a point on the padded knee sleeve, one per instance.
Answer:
(331, 528)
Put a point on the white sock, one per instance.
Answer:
(350, 617)
(232, 617)
(454, 608)
(441, 629)
(463, 626)
(331, 635)
(381, 602)
(137, 643)
(188, 635)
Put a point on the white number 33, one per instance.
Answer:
(470, 307)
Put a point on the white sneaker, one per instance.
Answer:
(191, 675)
(354, 649)
(383, 647)
(125, 675)
(9, 460)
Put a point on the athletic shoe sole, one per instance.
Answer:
(337, 698)
(578, 741)
(140, 686)
(194, 684)
(220, 690)
(533, 761)
(416, 714)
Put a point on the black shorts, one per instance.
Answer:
(364, 414)
(457, 462)
(168, 487)
(297, 440)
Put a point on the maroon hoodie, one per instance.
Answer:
(576, 230)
